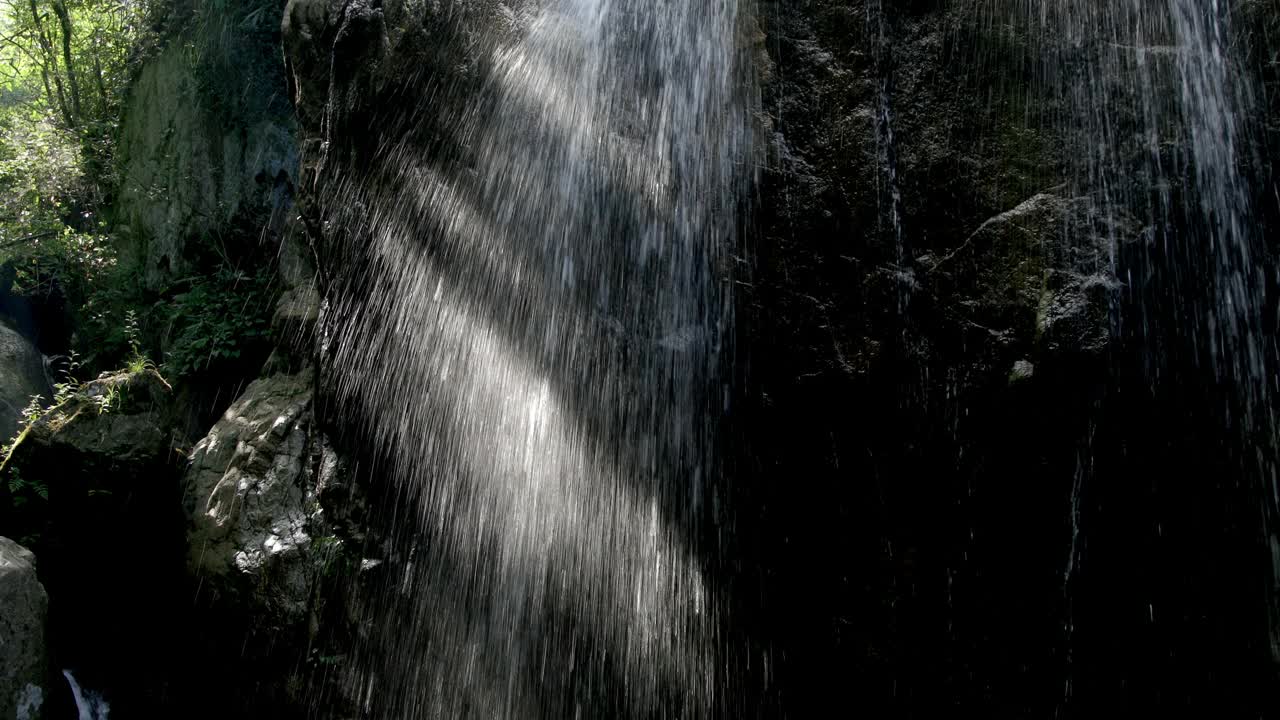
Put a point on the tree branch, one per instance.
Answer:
(28, 238)
(64, 21)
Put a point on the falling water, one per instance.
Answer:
(1083, 462)
(535, 335)
(1159, 114)
(887, 151)
(89, 705)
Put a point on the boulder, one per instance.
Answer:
(1037, 278)
(273, 516)
(23, 610)
(105, 430)
(248, 501)
(103, 448)
(21, 376)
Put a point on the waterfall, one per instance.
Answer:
(1216, 96)
(1160, 115)
(535, 334)
(89, 705)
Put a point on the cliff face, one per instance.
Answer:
(207, 149)
(953, 484)
(972, 489)
(372, 81)
(923, 345)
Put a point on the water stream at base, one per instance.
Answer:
(89, 704)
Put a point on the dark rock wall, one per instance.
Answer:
(957, 487)
(883, 439)
(207, 155)
(954, 488)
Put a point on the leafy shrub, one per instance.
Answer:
(137, 360)
(48, 234)
(219, 320)
(23, 492)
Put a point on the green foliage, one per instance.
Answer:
(60, 260)
(63, 391)
(33, 410)
(137, 360)
(233, 66)
(109, 400)
(318, 659)
(103, 322)
(73, 54)
(23, 491)
(218, 319)
(65, 67)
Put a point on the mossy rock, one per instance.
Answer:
(91, 453)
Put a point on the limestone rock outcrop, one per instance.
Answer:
(207, 148)
(24, 609)
(21, 376)
(274, 525)
(250, 499)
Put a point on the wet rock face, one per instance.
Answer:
(271, 512)
(919, 289)
(922, 340)
(23, 610)
(21, 376)
(358, 72)
(1036, 280)
(344, 56)
(940, 377)
(207, 148)
(927, 333)
(885, 146)
(250, 502)
(1262, 41)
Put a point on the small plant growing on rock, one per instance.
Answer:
(108, 400)
(22, 490)
(30, 414)
(137, 361)
(62, 391)
(33, 410)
